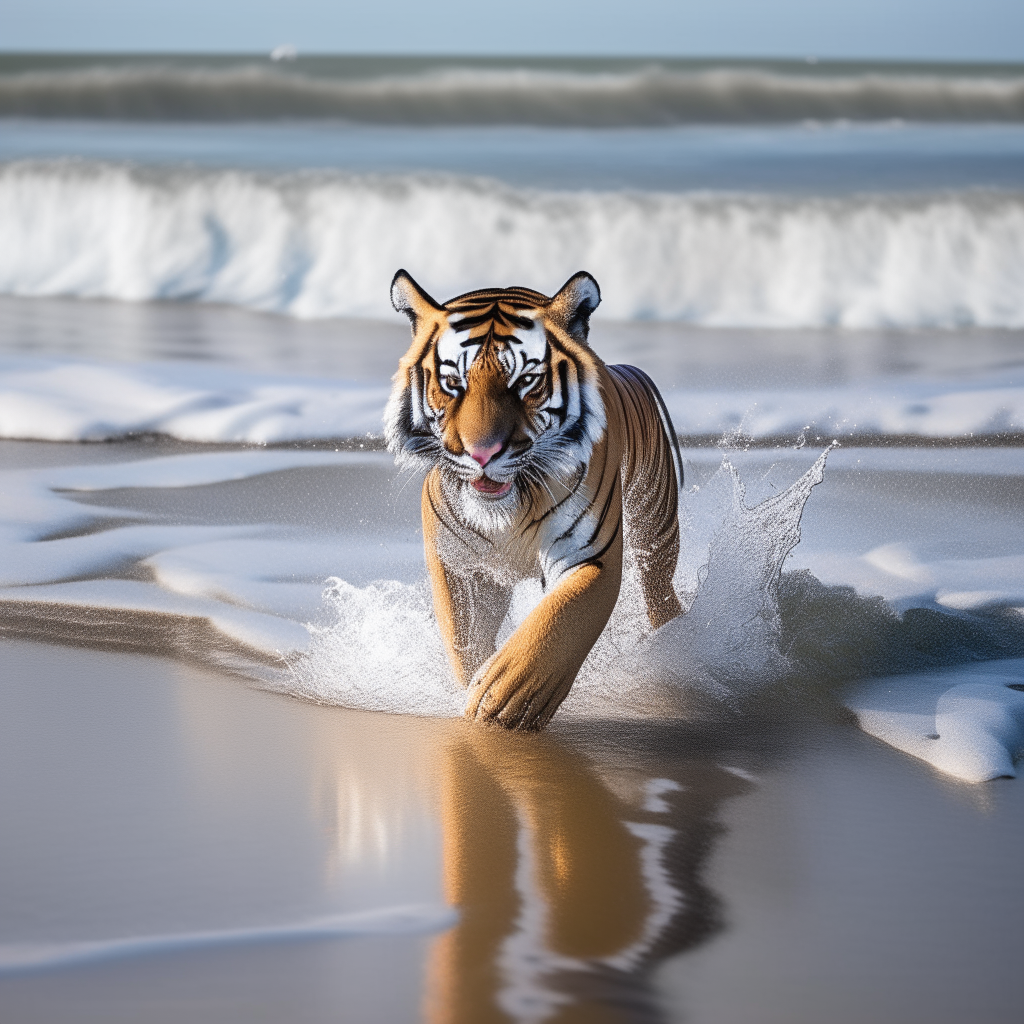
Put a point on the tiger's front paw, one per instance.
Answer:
(515, 694)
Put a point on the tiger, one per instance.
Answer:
(542, 461)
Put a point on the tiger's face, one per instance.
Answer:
(499, 388)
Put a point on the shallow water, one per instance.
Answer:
(771, 869)
(303, 570)
(184, 843)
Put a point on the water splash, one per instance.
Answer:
(378, 647)
(729, 641)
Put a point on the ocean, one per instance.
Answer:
(233, 764)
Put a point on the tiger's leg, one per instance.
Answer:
(522, 685)
(655, 542)
(469, 608)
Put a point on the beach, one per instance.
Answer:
(235, 777)
(156, 801)
(821, 872)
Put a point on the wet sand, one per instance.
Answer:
(778, 865)
(143, 797)
(807, 871)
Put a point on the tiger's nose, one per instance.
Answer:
(482, 454)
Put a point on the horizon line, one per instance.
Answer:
(809, 60)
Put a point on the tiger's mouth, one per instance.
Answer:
(493, 489)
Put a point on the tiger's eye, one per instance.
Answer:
(454, 383)
(528, 380)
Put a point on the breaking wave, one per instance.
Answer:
(325, 244)
(652, 94)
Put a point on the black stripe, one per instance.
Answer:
(582, 516)
(558, 505)
(624, 370)
(520, 298)
(563, 382)
(445, 522)
(522, 322)
(595, 560)
(467, 323)
(560, 412)
(495, 314)
(604, 513)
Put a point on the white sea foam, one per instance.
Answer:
(895, 572)
(65, 400)
(966, 721)
(959, 408)
(54, 400)
(320, 244)
(48, 543)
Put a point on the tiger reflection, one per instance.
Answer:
(570, 885)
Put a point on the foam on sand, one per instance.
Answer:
(967, 721)
(53, 400)
(62, 400)
(70, 565)
(895, 572)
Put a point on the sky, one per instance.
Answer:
(970, 30)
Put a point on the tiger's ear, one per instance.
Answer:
(574, 303)
(409, 298)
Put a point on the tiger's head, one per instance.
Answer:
(499, 387)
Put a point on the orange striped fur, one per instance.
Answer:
(541, 461)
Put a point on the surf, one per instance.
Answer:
(559, 93)
(316, 244)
